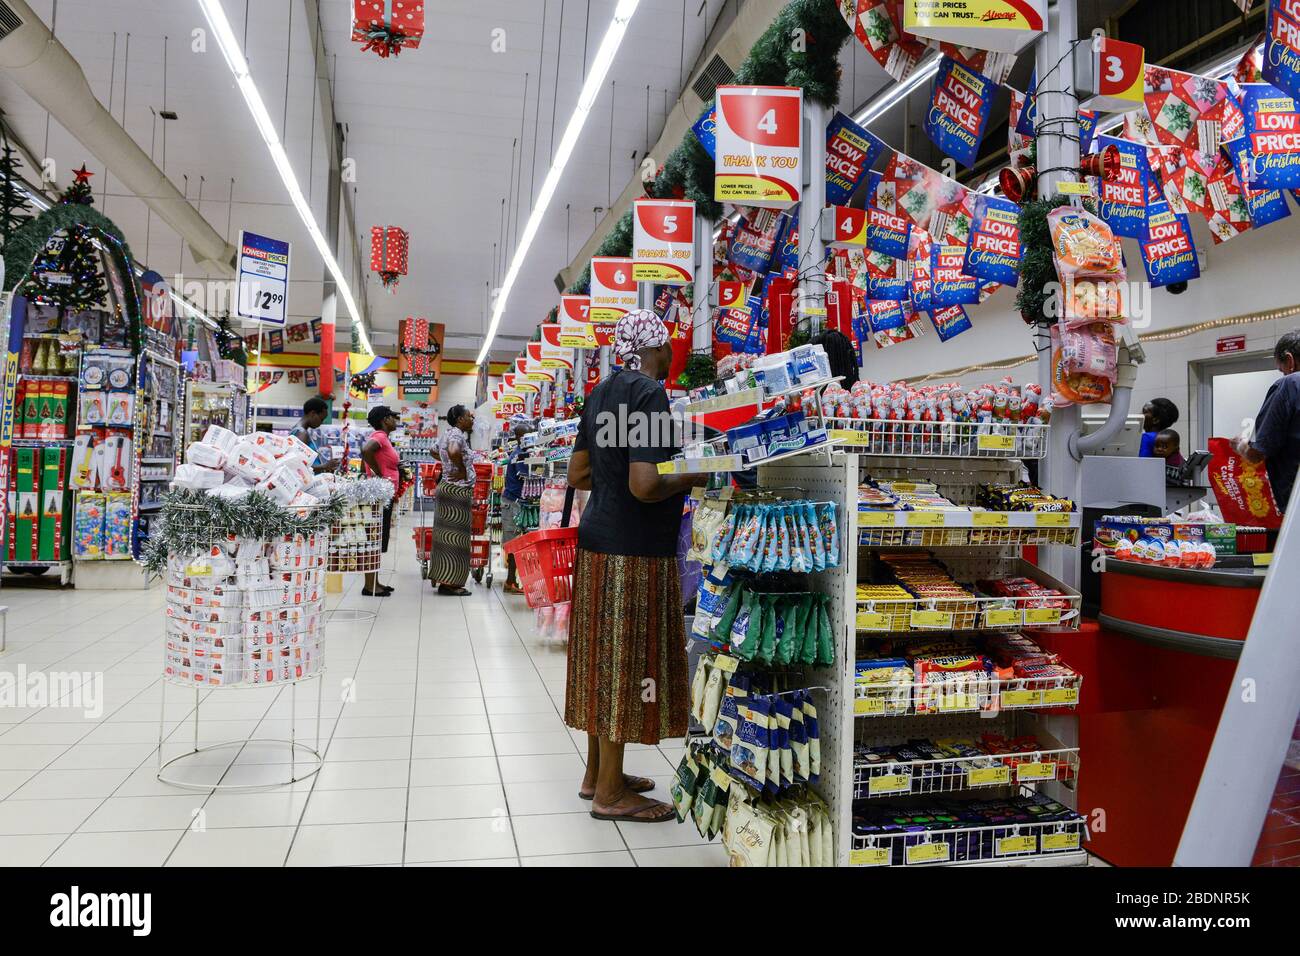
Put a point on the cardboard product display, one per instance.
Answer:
(24, 506)
(55, 497)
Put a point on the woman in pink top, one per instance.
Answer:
(381, 459)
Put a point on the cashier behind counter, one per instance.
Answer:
(1277, 429)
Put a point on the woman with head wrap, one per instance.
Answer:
(626, 680)
(453, 516)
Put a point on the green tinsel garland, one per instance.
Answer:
(194, 520)
(700, 370)
(25, 245)
(1037, 269)
(801, 48)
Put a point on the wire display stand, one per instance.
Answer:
(242, 612)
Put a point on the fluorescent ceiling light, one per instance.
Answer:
(239, 67)
(895, 94)
(586, 99)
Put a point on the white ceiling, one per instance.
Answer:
(432, 133)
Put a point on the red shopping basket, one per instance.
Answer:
(478, 518)
(544, 561)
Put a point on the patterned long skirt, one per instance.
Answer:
(449, 559)
(627, 678)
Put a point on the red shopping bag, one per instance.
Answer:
(1242, 488)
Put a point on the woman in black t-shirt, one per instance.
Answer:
(627, 680)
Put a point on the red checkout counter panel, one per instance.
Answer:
(1160, 663)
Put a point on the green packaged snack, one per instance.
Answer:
(722, 630)
(746, 628)
(792, 631)
(767, 641)
(808, 647)
(825, 643)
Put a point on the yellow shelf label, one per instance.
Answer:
(906, 487)
(928, 853)
(925, 519)
(931, 619)
(666, 467)
(870, 856)
(198, 570)
(990, 519)
(996, 442)
(1061, 695)
(1042, 615)
(988, 777)
(876, 519)
(1074, 189)
(1007, 618)
(1053, 519)
(850, 436)
(1262, 560)
(1021, 698)
(872, 621)
(890, 783)
(1021, 844)
(726, 664)
(868, 705)
(1035, 771)
(1060, 841)
(957, 702)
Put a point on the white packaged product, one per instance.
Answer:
(197, 477)
(281, 485)
(222, 438)
(209, 456)
(249, 461)
(275, 445)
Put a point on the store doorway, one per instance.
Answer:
(1231, 391)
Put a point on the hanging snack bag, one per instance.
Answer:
(706, 797)
(722, 629)
(750, 743)
(721, 544)
(767, 638)
(1084, 363)
(684, 785)
(707, 520)
(743, 817)
(783, 710)
(725, 728)
(801, 539)
(714, 686)
(747, 629)
(808, 647)
(818, 546)
(745, 540)
(792, 633)
(825, 643)
(798, 742)
(829, 532)
(814, 738)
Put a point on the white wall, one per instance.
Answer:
(1257, 271)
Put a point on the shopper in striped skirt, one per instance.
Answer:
(453, 516)
(626, 680)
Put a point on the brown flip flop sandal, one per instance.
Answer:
(635, 784)
(633, 816)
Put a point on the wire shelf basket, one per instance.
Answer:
(976, 774)
(356, 539)
(966, 693)
(939, 439)
(966, 845)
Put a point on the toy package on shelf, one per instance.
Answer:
(1003, 403)
(1163, 541)
(776, 374)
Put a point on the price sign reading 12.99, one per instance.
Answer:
(759, 145)
(663, 241)
(263, 278)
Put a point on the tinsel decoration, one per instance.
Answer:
(1037, 270)
(390, 280)
(366, 491)
(15, 207)
(700, 369)
(195, 520)
(361, 383)
(230, 344)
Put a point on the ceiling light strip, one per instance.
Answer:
(225, 37)
(586, 99)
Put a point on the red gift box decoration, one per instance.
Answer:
(387, 26)
(389, 248)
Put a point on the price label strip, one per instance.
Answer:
(996, 442)
(868, 706)
(872, 621)
(932, 619)
(1055, 842)
(988, 777)
(990, 519)
(890, 783)
(1061, 696)
(1011, 846)
(929, 853)
(1003, 618)
(1042, 615)
(869, 856)
(1037, 770)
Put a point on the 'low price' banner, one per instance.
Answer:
(959, 110)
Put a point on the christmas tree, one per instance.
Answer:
(67, 273)
(15, 209)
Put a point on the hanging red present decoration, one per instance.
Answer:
(386, 27)
(389, 251)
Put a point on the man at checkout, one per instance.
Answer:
(1277, 428)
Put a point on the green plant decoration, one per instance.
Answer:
(1037, 269)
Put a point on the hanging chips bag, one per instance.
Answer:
(825, 643)
(720, 547)
(829, 532)
(784, 709)
(722, 629)
(808, 648)
(712, 700)
(814, 739)
(685, 782)
(749, 745)
(767, 640)
(724, 731)
(792, 632)
(816, 545)
(748, 834)
(707, 522)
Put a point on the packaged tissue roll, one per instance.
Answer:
(281, 486)
(209, 456)
(198, 477)
(222, 438)
(250, 462)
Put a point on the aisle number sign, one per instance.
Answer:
(759, 153)
(1114, 74)
(1006, 26)
(846, 226)
(663, 241)
(730, 294)
(263, 279)
(535, 368)
(576, 330)
(613, 293)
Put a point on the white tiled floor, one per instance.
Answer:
(440, 723)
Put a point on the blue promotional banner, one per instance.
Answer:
(732, 325)
(861, 335)
(1027, 122)
(705, 130)
(1087, 126)
(787, 259)
(887, 233)
(949, 283)
(1265, 205)
(1273, 136)
(1168, 253)
(753, 246)
(851, 150)
(1282, 46)
(950, 322)
(959, 110)
(1123, 204)
(887, 277)
(919, 262)
(884, 315)
(993, 249)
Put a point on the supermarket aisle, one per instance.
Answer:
(449, 746)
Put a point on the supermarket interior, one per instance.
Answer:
(889, 468)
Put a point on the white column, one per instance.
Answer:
(701, 330)
(812, 245)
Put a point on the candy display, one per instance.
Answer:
(356, 538)
(1163, 541)
(900, 402)
(930, 764)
